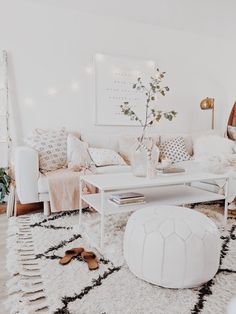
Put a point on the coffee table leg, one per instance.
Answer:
(80, 202)
(226, 201)
(102, 220)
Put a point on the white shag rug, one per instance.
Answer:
(39, 284)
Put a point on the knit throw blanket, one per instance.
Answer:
(64, 188)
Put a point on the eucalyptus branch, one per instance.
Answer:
(126, 110)
(151, 115)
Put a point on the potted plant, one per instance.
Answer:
(4, 184)
(142, 155)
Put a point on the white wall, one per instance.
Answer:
(50, 48)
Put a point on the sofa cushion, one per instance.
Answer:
(43, 183)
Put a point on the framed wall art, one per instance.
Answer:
(114, 78)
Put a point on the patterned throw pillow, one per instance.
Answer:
(174, 149)
(105, 157)
(51, 147)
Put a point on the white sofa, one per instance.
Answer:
(32, 186)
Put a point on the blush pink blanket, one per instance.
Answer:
(64, 189)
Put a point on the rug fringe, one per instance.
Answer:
(25, 288)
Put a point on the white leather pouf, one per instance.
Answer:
(173, 247)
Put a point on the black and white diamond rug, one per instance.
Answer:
(39, 284)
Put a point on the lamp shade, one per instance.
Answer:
(207, 103)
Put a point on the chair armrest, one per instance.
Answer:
(26, 174)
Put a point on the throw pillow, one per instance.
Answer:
(51, 147)
(77, 152)
(187, 140)
(174, 149)
(105, 157)
(212, 145)
(127, 145)
(232, 132)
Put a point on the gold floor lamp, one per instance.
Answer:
(208, 104)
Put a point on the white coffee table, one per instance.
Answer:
(168, 189)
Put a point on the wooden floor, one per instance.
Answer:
(3, 272)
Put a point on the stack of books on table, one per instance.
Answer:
(130, 198)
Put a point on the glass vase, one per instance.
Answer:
(152, 162)
(139, 161)
(145, 158)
